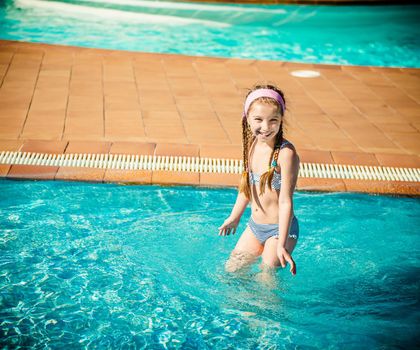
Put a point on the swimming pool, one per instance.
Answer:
(359, 35)
(104, 265)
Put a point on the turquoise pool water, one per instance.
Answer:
(359, 35)
(109, 266)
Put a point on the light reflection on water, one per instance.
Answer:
(312, 34)
(113, 266)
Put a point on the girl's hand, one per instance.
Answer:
(285, 257)
(228, 227)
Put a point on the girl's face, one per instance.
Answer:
(264, 120)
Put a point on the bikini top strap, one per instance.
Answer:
(274, 162)
(285, 143)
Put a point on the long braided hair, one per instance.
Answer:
(248, 139)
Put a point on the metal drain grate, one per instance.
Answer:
(203, 165)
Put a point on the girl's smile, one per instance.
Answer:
(264, 134)
(264, 121)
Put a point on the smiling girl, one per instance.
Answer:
(271, 167)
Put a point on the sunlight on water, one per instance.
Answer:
(313, 34)
(116, 266)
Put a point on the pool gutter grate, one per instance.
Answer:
(202, 165)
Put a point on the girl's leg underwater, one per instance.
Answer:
(246, 251)
(238, 260)
(269, 254)
(270, 261)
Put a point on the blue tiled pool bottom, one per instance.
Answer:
(356, 35)
(109, 266)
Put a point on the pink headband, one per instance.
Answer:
(263, 93)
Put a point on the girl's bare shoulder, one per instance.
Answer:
(288, 155)
(287, 149)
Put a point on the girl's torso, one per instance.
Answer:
(264, 206)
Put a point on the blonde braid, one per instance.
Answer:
(244, 184)
(267, 177)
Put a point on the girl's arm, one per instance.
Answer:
(289, 165)
(230, 224)
(240, 206)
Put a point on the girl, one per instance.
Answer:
(272, 230)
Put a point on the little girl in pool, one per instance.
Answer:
(272, 230)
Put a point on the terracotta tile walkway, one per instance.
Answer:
(88, 100)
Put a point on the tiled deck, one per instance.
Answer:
(75, 100)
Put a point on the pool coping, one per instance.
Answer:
(175, 164)
(377, 143)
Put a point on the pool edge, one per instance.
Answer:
(181, 169)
